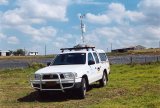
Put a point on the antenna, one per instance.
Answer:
(82, 27)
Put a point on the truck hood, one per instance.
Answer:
(61, 69)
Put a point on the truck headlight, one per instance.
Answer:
(37, 77)
(69, 75)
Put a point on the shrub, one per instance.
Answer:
(36, 65)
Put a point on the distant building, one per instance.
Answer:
(138, 47)
(33, 53)
(4, 53)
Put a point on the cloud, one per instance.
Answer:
(12, 18)
(62, 41)
(124, 27)
(150, 10)
(36, 21)
(87, 2)
(109, 32)
(29, 13)
(115, 13)
(116, 8)
(100, 19)
(2, 36)
(13, 40)
(36, 12)
(3, 2)
(135, 16)
(122, 36)
(45, 9)
(42, 34)
(147, 6)
(10, 40)
(18, 17)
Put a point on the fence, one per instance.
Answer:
(11, 64)
(134, 59)
(5, 64)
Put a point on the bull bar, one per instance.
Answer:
(58, 80)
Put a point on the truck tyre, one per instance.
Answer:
(104, 80)
(83, 89)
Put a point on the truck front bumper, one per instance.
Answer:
(54, 84)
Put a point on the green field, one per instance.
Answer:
(129, 86)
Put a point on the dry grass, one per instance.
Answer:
(146, 51)
(155, 51)
(24, 57)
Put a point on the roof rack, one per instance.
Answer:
(78, 48)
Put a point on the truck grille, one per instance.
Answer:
(53, 76)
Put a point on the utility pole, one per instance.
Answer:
(82, 28)
(45, 49)
(111, 47)
(159, 44)
(24, 51)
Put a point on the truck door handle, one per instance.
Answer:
(98, 68)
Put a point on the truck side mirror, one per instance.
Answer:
(48, 63)
(91, 62)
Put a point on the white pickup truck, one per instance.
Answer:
(74, 68)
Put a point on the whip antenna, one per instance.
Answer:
(83, 30)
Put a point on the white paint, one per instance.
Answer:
(33, 53)
(3, 53)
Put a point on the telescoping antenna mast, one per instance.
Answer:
(82, 28)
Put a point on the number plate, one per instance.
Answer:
(50, 83)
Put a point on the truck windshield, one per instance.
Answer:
(69, 59)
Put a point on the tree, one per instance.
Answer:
(19, 52)
(10, 52)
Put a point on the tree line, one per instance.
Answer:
(18, 52)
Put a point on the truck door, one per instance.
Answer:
(92, 68)
(99, 71)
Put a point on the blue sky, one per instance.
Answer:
(32, 24)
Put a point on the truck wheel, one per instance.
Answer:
(83, 89)
(104, 80)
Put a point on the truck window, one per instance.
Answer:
(69, 59)
(90, 57)
(103, 56)
(96, 57)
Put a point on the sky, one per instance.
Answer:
(32, 24)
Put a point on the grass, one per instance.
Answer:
(129, 86)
